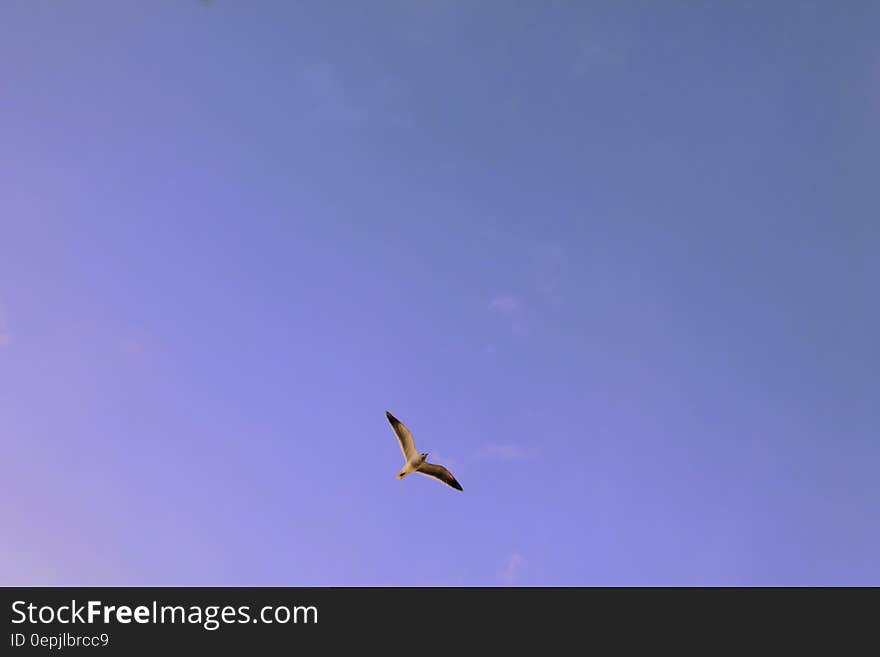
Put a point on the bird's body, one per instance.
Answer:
(416, 461)
(412, 465)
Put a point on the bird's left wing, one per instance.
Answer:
(440, 473)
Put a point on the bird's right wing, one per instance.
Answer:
(407, 445)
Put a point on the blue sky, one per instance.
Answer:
(613, 263)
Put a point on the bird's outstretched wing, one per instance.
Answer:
(440, 473)
(407, 445)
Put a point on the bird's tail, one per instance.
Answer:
(401, 474)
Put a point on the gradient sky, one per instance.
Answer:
(614, 263)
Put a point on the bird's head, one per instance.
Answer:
(423, 455)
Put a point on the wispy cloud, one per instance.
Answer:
(506, 305)
(512, 310)
(512, 568)
(545, 265)
(508, 452)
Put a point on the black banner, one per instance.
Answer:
(153, 621)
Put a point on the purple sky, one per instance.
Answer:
(614, 263)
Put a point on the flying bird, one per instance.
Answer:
(416, 461)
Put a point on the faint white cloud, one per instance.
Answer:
(546, 266)
(511, 308)
(505, 305)
(512, 567)
(508, 452)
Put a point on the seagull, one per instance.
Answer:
(415, 461)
